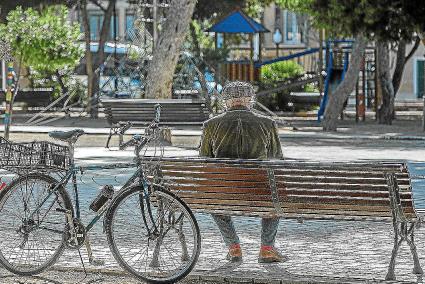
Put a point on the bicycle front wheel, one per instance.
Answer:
(155, 237)
(31, 229)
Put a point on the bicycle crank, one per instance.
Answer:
(75, 235)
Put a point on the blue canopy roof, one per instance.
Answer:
(238, 22)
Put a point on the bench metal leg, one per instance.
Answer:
(404, 232)
(390, 274)
(113, 131)
(417, 269)
(404, 229)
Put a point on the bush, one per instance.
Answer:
(277, 73)
(281, 71)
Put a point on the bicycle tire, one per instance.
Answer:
(151, 276)
(29, 267)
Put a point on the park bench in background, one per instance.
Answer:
(302, 190)
(31, 98)
(141, 112)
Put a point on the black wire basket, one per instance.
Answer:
(37, 156)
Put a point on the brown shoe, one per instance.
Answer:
(269, 254)
(235, 253)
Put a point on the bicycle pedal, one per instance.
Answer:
(96, 262)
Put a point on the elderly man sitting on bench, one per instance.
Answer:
(241, 134)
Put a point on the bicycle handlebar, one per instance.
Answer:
(138, 140)
(125, 127)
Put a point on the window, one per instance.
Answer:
(96, 21)
(113, 33)
(419, 86)
(129, 26)
(290, 27)
(220, 40)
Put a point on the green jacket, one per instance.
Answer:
(240, 134)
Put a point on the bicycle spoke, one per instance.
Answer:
(32, 231)
(161, 255)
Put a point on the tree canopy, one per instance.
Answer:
(386, 20)
(210, 10)
(8, 5)
(43, 40)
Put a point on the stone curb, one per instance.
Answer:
(351, 137)
(205, 276)
(195, 134)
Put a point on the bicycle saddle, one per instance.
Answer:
(67, 136)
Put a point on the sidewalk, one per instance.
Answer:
(189, 136)
(316, 251)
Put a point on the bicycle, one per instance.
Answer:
(151, 232)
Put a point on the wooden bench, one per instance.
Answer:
(141, 112)
(302, 190)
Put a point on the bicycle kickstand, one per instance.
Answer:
(92, 260)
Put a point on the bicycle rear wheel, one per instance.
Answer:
(31, 239)
(155, 238)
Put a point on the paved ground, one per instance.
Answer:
(317, 251)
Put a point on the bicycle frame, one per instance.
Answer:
(71, 174)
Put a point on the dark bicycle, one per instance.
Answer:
(152, 233)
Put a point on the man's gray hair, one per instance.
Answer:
(238, 89)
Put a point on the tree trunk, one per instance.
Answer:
(401, 63)
(93, 63)
(385, 110)
(336, 101)
(88, 55)
(399, 66)
(161, 69)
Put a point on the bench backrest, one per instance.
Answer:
(141, 111)
(343, 191)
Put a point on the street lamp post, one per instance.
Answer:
(277, 39)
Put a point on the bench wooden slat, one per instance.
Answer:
(330, 185)
(254, 192)
(280, 184)
(321, 217)
(288, 178)
(217, 198)
(341, 191)
(141, 111)
(201, 189)
(307, 200)
(217, 176)
(217, 167)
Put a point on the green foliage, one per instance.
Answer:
(377, 19)
(311, 88)
(43, 41)
(274, 74)
(281, 71)
(214, 10)
(208, 53)
(301, 6)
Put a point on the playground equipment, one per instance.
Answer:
(337, 61)
(238, 22)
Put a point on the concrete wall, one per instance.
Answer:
(407, 87)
